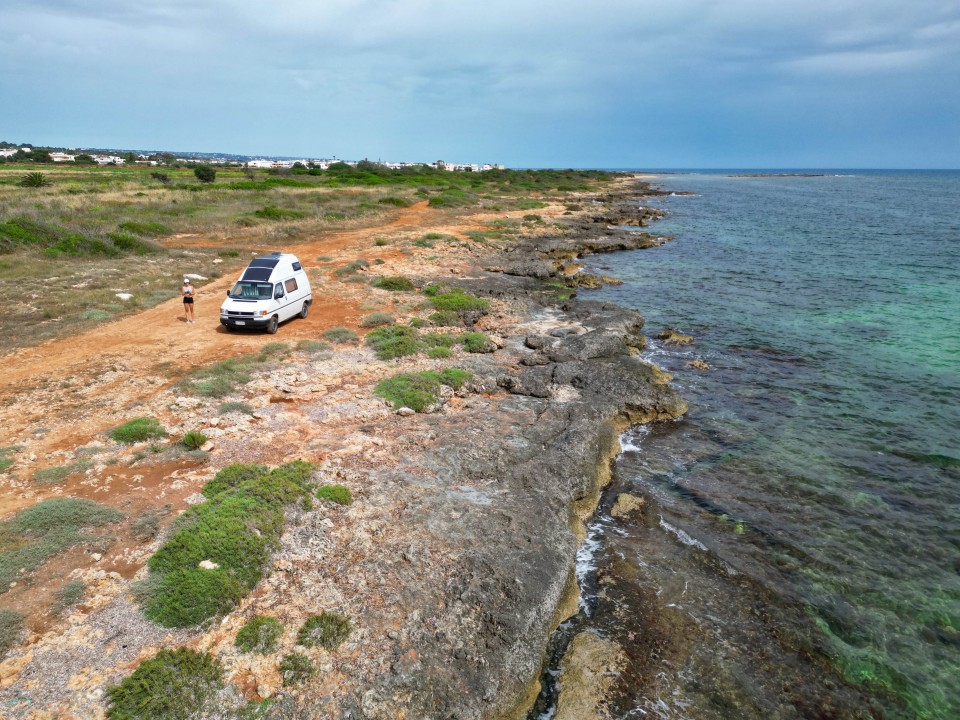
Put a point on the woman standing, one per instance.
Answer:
(187, 292)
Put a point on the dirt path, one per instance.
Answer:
(123, 362)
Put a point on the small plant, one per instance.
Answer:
(393, 341)
(11, 630)
(5, 460)
(457, 300)
(312, 346)
(194, 440)
(352, 268)
(146, 525)
(172, 685)
(272, 212)
(328, 630)
(439, 352)
(376, 319)
(54, 475)
(394, 283)
(233, 406)
(259, 635)
(148, 229)
(69, 595)
(138, 430)
(380, 242)
(296, 668)
(418, 391)
(340, 335)
(335, 493)
(34, 180)
(233, 476)
(475, 342)
(446, 318)
(163, 178)
(423, 242)
(417, 322)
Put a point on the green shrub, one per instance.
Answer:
(34, 180)
(312, 346)
(335, 493)
(395, 201)
(221, 378)
(53, 475)
(69, 595)
(236, 530)
(194, 440)
(475, 342)
(272, 212)
(417, 322)
(352, 268)
(233, 406)
(340, 335)
(393, 341)
(419, 390)
(446, 318)
(46, 529)
(205, 173)
(172, 685)
(328, 630)
(233, 476)
(138, 430)
(434, 289)
(146, 228)
(376, 319)
(296, 668)
(456, 300)
(259, 635)
(439, 352)
(439, 340)
(380, 242)
(423, 242)
(395, 283)
(11, 631)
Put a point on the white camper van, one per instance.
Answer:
(272, 289)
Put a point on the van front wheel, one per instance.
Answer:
(272, 325)
(304, 310)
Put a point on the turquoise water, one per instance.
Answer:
(821, 456)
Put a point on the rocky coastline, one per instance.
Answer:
(455, 561)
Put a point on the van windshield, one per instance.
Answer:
(252, 290)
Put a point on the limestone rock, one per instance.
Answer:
(698, 364)
(672, 336)
(405, 411)
(626, 504)
(586, 673)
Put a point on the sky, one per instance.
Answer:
(524, 83)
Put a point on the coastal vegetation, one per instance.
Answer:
(138, 430)
(418, 391)
(260, 635)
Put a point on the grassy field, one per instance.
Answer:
(70, 251)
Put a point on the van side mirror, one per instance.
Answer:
(228, 293)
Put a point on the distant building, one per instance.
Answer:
(62, 157)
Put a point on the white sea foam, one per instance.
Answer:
(681, 535)
(632, 439)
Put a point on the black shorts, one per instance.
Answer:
(188, 300)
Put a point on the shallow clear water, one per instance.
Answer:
(819, 466)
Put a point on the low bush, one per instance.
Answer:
(233, 406)
(194, 440)
(476, 342)
(456, 300)
(69, 595)
(260, 635)
(46, 529)
(439, 352)
(54, 475)
(417, 391)
(423, 242)
(5, 460)
(11, 631)
(138, 430)
(380, 242)
(335, 493)
(172, 685)
(34, 180)
(222, 378)
(394, 201)
(417, 322)
(394, 283)
(354, 267)
(340, 335)
(296, 668)
(393, 341)
(146, 228)
(312, 346)
(376, 319)
(272, 212)
(328, 630)
(446, 318)
(233, 476)
(235, 531)
(439, 340)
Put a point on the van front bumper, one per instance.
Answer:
(245, 322)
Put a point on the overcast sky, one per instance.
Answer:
(526, 83)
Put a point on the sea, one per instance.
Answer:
(798, 552)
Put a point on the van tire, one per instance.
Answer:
(304, 310)
(272, 325)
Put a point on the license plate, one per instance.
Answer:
(239, 322)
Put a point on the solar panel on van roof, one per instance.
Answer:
(258, 274)
(268, 262)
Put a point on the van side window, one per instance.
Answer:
(297, 266)
(291, 284)
(278, 291)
